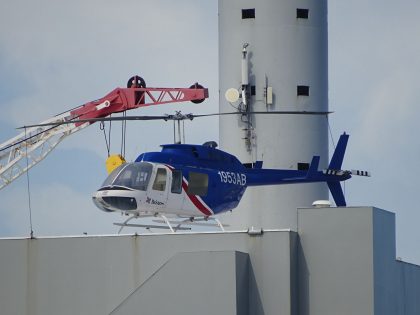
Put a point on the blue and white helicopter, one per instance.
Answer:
(195, 182)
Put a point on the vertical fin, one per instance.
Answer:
(337, 193)
(313, 167)
(338, 156)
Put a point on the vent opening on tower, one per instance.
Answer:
(248, 13)
(302, 13)
(303, 166)
(303, 90)
(252, 89)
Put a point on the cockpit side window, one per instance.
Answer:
(176, 186)
(160, 180)
(132, 175)
(124, 179)
(108, 181)
(141, 179)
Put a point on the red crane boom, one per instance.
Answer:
(20, 153)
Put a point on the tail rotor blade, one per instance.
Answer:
(360, 173)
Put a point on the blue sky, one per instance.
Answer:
(55, 55)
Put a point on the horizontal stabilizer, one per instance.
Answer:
(335, 172)
(337, 193)
(342, 172)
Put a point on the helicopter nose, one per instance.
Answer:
(101, 204)
(110, 201)
(121, 203)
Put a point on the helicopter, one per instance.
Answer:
(189, 182)
(196, 182)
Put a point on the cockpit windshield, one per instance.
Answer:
(131, 175)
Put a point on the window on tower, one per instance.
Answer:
(252, 90)
(303, 90)
(302, 13)
(248, 14)
(303, 166)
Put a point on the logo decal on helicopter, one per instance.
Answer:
(154, 202)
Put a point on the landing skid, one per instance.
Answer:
(196, 222)
(149, 226)
(174, 225)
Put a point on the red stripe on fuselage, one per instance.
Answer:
(199, 204)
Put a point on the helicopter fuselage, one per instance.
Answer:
(201, 181)
(185, 180)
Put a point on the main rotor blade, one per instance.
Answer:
(266, 113)
(92, 120)
(173, 117)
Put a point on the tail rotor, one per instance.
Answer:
(337, 174)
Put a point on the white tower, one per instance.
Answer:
(274, 53)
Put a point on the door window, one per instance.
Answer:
(176, 186)
(160, 180)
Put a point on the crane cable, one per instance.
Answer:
(29, 189)
(123, 133)
(107, 143)
(108, 138)
(329, 129)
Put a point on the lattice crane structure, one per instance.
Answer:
(24, 151)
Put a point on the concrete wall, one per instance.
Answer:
(347, 264)
(384, 262)
(335, 261)
(93, 275)
(343, 262)
(188, 283)
(408, 289)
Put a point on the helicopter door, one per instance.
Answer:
(175, 195)
(157, 195)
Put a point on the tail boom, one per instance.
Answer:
(333, 175)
